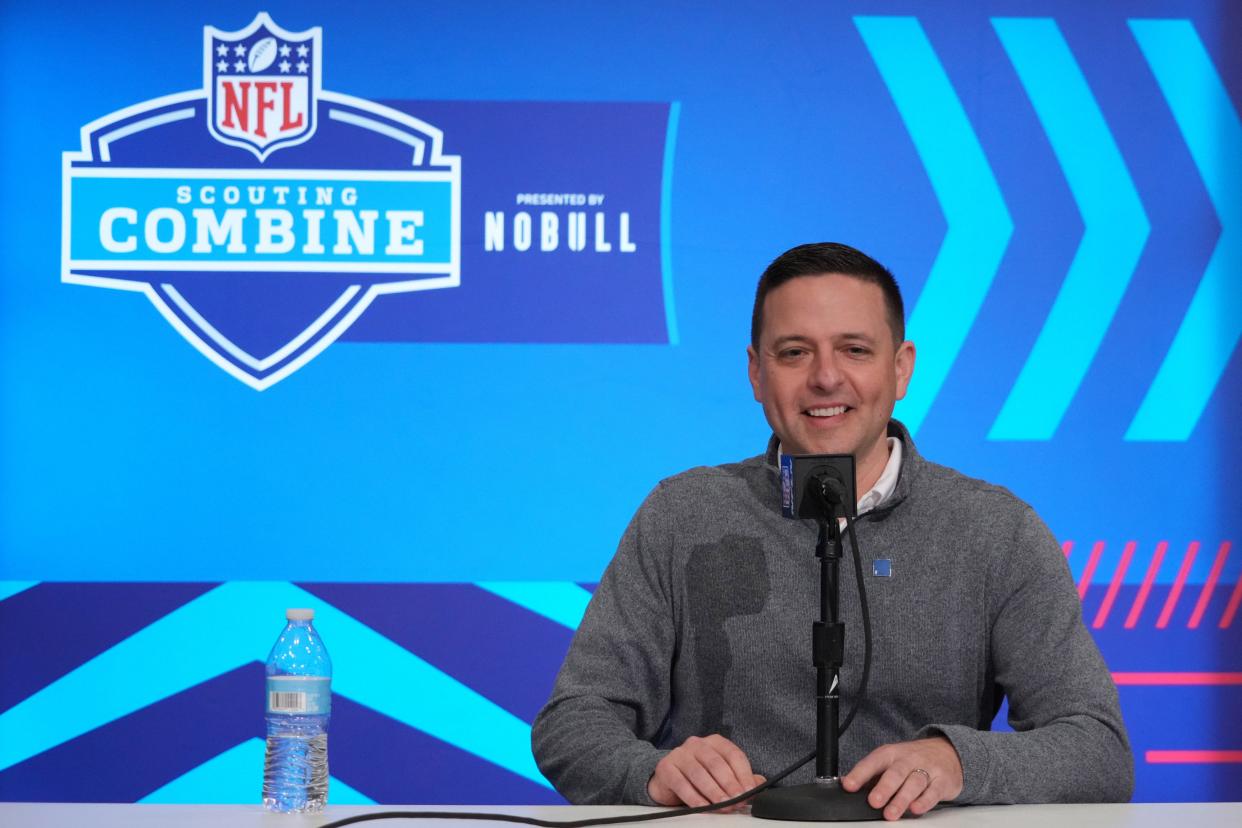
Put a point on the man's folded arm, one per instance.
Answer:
(593, 739)
(590, 756)
(1069, 742)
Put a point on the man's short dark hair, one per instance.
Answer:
(821, 259)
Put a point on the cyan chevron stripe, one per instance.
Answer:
(10, 588)
(76, 622)
(393, 763)
(230, 626)
(125, 759)
(561, 601)
(1116, 229)
(1210, 331)
(979, 225)
(501, 650)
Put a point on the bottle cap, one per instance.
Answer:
(300, 614)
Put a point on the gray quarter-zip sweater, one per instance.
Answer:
(702, 624)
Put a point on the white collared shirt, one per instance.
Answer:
(887, 482)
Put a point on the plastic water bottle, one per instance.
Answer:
(299, 699)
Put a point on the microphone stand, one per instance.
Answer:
(823, 800)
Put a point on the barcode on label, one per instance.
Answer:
(286, 702)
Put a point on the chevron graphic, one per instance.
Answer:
(1190, 591)
(979, 224)
(230, 626)
(1116, 226)
(1116, 229)
(1210, 330)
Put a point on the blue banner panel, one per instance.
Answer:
(561, 228)
(264, 172)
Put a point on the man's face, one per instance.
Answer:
(827, 371)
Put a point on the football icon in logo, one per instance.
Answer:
(262, 54)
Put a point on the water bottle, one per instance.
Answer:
(299, 698)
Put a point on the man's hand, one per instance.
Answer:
(702, 771)
(914, 775)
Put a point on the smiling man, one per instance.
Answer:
(830, 365)
(690, 679)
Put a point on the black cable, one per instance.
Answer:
(672, 812)
(572, 823)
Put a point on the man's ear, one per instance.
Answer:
(752, 369)
(904, 363)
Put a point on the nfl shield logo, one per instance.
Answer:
(262, 84)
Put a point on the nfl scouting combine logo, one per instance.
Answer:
(261, 214)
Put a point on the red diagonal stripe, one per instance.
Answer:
(1176, 679)
(1206, 594)
(1141, 598)
(1187, 757)
(1232, 609)
(1067, 547)
(1089, 572)
(1170, 603)
(1118, 575)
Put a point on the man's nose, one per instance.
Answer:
(825, 371)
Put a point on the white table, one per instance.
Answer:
(61, 815)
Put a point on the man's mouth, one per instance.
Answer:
(831, 411)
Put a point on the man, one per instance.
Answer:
(690, 677)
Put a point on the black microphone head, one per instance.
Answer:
(831, 486)
(817, 486)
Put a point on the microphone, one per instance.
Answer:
(818, 486)
(821, 487)
(831, 488)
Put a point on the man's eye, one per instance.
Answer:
(857, 351)
(791, 353)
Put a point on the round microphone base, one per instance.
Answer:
(820, 801)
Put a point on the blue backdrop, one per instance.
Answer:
(1055, 185)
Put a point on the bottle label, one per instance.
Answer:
(299, 695)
